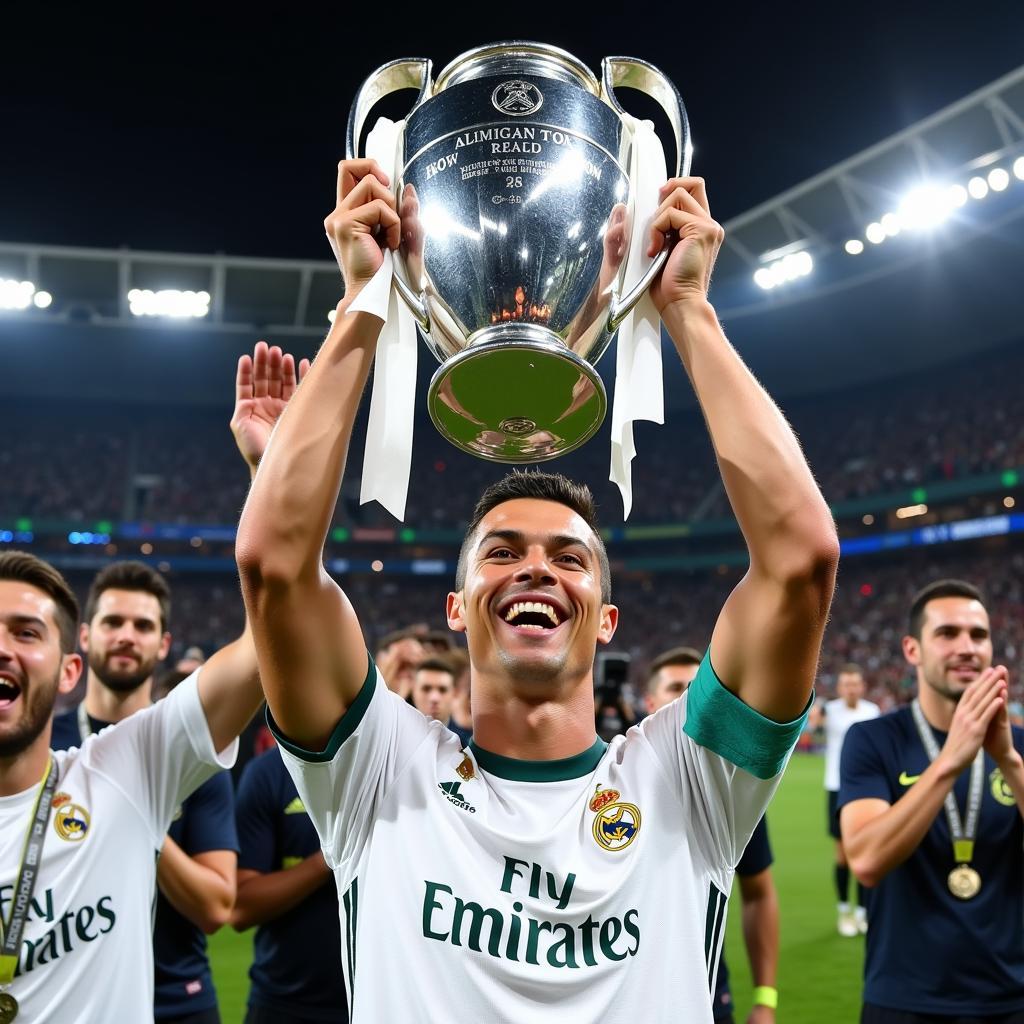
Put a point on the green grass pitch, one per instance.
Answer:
(819, 972)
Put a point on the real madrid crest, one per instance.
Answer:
(70, 821)
(616, 823)
(517, 98)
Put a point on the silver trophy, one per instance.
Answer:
(517, 214)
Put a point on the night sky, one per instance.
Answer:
(183, 130)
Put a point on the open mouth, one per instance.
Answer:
(533, 616)
(9, 692)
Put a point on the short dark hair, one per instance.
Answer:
(673, 656)
(437, 639)
(130, 576)
(544, 487)
(940, 588)
(392, 638)
(168, 681)
(25, 568)
(436, 664)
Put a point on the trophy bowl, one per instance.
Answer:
(517, 216)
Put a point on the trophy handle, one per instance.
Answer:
(638, 74)
(408, 73)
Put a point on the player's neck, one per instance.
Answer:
(108, 705)
(938, 709)
(25, 770)
(851, 704)
(530, 731)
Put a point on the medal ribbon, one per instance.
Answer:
(24, 887)
(963, 835)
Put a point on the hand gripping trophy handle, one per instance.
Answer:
(408, 73)
(515, 201)
(637, 74)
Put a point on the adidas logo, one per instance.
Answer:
(295, 807)
(453, 795)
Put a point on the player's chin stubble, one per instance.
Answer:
(121, 682)
(37, 712)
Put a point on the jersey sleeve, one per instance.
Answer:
(255, 814)
(342, 786)
(724, 761)
(160, 755)
(210, 817)
(862, 769)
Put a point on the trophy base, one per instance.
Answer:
(517, 394)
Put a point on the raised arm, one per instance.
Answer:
(229, 684)
(311, 651)
(765, 645)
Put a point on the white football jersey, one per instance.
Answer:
(588, 889)
(839, 716)
(87, 949)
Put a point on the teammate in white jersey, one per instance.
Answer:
(848, 707)
(537, 874)
(78, 946)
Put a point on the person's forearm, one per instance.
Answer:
(886, 841)
(229, 689)
(264, 897)
(291, 502)
(784, 519)
(196, 891)
(761, 936)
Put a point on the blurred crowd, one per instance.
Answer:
(175, 466)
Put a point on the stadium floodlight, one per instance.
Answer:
(875, 233)
(1018, 167)
(15, 294)
(42, 300)
(169, 302)
(977, 188)
(890, 224)
(998, 179)
(792, 266)
(928, 206)
(331, 314)
(854, 247)
(957, 196)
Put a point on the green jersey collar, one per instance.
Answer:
(574, 767)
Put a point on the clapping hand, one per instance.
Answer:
(264, 383)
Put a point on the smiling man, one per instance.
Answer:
(80, 830)
(125, 637)
(930, 800)
(538, 873)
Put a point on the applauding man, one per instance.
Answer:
(930, 800)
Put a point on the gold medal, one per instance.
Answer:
(8, 1008)
(964, 882)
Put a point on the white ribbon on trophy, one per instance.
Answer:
(387, 457)
(639, 388)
